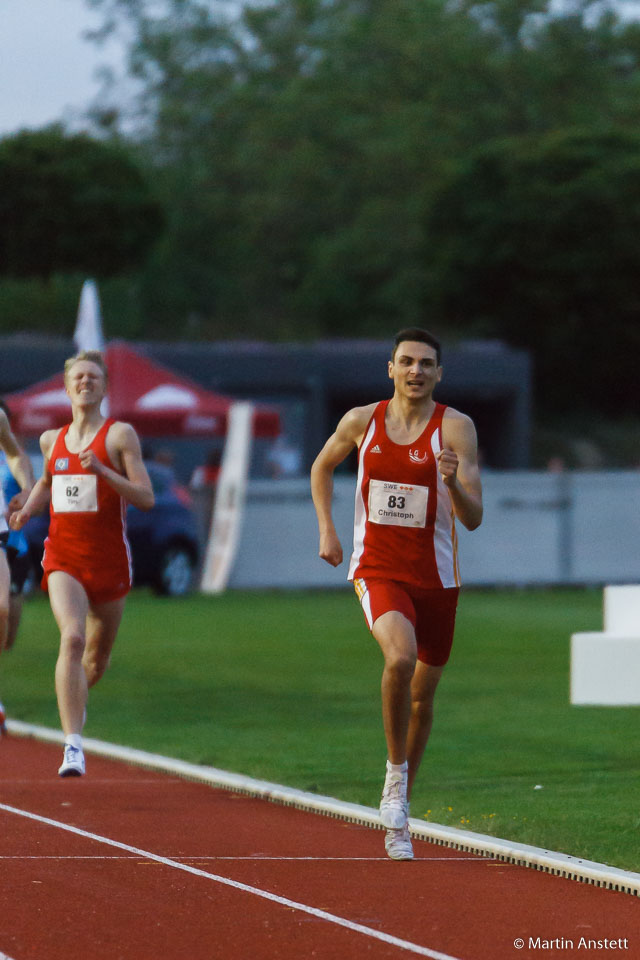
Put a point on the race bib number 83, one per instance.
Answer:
(74, 493)
(397, 503)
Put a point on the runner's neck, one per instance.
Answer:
(84, 429)
(405, 420)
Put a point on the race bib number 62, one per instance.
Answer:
(399, 504)
(74, 493)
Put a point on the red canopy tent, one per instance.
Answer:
(156, 401)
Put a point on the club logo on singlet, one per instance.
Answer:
(62, 463)
(417, 457)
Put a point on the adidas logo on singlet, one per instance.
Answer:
(376, 449)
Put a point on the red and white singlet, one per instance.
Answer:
(404, 523)
(87, 529)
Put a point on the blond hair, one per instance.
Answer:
(94, 356)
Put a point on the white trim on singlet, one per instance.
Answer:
(360, 513)
(125, 539)
(444, 529)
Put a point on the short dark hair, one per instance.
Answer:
(418, 335)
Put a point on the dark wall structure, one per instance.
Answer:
(315, 383)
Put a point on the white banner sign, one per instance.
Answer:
(230, 498)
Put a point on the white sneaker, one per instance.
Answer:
(73, 763)
(398, 844)
(393, 805)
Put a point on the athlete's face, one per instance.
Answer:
(85, 383)
(414, 370)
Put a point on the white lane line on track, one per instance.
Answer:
(4, 956)
(255, 891)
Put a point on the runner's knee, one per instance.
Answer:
(422, 708)
(72, 642)
(402, 663)
(94, 668)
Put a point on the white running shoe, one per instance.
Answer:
(73, 763)
(398, 844)
(393, 805)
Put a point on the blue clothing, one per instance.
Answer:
(10, 487)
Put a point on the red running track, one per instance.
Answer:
(163, 892)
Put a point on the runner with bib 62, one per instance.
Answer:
(417, 473)
(92, 468)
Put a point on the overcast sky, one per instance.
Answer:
(46, 67)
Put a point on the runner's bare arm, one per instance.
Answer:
(348, 435)
(41, 491)
(458, 466)
(123, 446)
(18, 461)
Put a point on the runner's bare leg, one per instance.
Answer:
(397, 640)
(423, 688)
(70, 606)
(103, 621)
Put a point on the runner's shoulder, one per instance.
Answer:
(47, 441)
(450, 413)
(456, 424)
(121, 433)
(456, 418)
(354, 422)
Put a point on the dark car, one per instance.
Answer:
(164, 540)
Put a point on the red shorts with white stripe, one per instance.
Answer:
(101, 586)
(432, 613)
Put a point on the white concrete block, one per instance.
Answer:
(605, 669)
(622, 610)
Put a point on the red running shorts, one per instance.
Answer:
(432, 613)
(100, 586)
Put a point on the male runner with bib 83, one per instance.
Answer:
(92, 468)
(417, 473)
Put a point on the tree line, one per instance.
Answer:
(317, 168)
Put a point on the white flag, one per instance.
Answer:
(88, 332)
